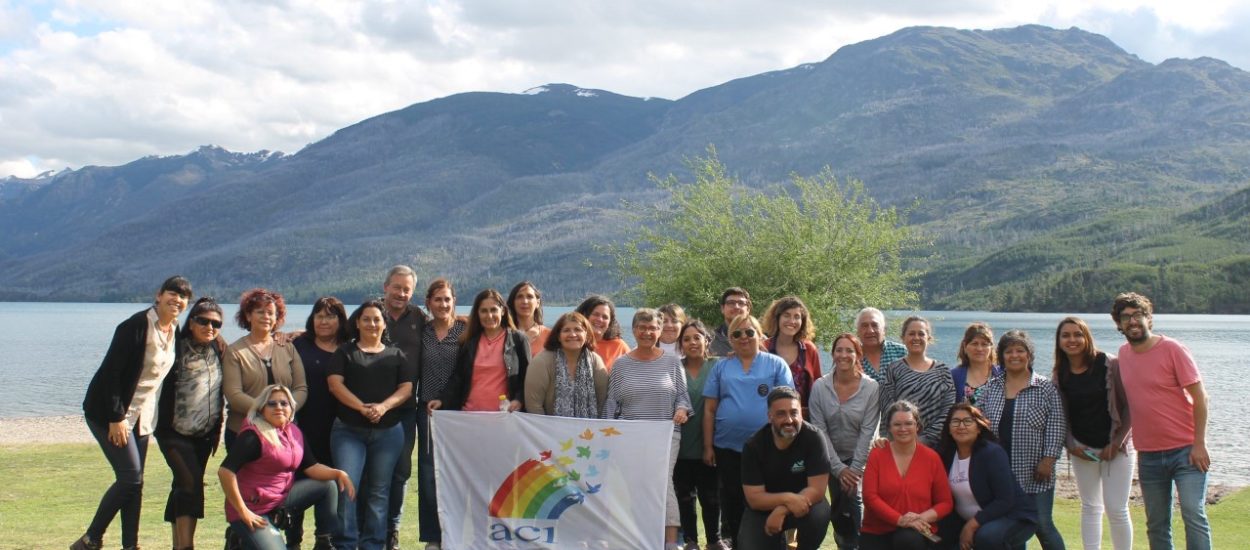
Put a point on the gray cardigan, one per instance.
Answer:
(849, 427)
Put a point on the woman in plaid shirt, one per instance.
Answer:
(1026, 413)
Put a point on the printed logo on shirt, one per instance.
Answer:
(797, 467)
(762, 390)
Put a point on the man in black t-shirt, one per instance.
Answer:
(785, 473)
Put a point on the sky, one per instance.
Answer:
(104, 82)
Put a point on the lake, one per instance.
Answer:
(46, 377)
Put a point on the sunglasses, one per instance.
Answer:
(205, 321)
(278, 404)
(750, 333)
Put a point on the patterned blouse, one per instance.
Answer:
(438, 359)
(933, 391)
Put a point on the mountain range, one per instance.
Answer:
(1048, 168)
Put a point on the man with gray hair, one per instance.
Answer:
(405, 322)
(879, 351)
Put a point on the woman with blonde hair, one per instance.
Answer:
(258, 475)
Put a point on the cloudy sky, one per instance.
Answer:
(107, 81)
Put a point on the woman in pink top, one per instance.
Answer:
(491, 362)
(601, 313)
(258, 475)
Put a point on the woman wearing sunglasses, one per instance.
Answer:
(369, 379)
(190, 415)
(735, 407)
(258, 475)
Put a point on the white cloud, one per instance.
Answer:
(107, 81)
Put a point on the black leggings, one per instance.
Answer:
(692, 477)
(125, 495)
(732, 501)
(187, 458)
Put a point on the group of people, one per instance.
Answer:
(890, 446)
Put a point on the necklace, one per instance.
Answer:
(263, 350)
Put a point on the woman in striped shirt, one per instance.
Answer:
(920, 380)
(648, 384)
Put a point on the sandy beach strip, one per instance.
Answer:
(44, 429)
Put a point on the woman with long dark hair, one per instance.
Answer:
(121, 402)
(190, 417)
(691, 477)
(991, 510)
(1097, 438)
(370, 379)
(324, 331)
(491, 363)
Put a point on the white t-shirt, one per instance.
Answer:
(965, 502)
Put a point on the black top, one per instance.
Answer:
(113, 386)
(246, 448)
(1086, 397)
(319, 407)
(784, 471)
(1005, 423)
(372, 377)
(405, 334)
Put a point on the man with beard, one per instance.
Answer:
(785, 473)
(1169, 407)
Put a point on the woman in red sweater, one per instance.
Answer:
(905, 487)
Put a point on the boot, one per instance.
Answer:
(85, 543)
(322, 542)
(392, 540)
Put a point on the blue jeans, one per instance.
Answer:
(125, 495)
(812, 529)
(847, 514)
(427, 497)
(999, 534)
(370, 453)
(304, 493)
(1047, 534)
(1156, 472)
(403, 468)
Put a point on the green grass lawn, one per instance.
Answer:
(49, 493)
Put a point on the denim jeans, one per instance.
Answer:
(847, 513)
(125, 495)
(324, 495)
(1003, 533)
(429, 529)
(1157, 471)
(1047, 534)
(403, 468)
(370, 453)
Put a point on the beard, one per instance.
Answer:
(786, 432)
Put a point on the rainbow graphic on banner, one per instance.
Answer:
(543, 488)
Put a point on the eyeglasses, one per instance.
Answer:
(205, 321)
(966, 422)
(1139, 316)
(750, 333)
(278, 404)
(737, 303)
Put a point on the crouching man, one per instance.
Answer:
(785, 473)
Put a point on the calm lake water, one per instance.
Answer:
(49, 351)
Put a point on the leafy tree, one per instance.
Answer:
(826, 242)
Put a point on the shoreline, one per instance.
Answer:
(72, 429)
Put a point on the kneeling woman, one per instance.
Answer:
(905, 488)
(369, 379)
(992, 511)
(258, 474)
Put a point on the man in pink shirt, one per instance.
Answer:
(1169, 411)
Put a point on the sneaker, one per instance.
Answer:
(85, 543)
(722, 544)
(392, 540)
(433, 546)
(691, 545)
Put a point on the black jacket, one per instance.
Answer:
(993, 484)
(457, 389)
(113, 386)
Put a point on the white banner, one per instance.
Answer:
(524, 481)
